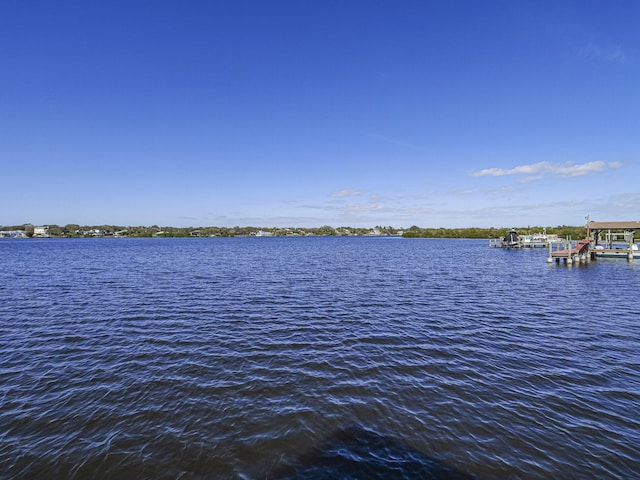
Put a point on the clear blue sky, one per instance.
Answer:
(312, 112)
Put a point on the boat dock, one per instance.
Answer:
(513, 240)
(604, 239)
(571, 252)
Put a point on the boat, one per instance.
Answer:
(511, 240)
(616, 242)
(538, 240)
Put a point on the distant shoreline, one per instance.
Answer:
(154, 231)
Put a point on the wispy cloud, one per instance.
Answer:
(609, 53)
(501, 190)
(537, 171)
(625, 202)
(362, 207)
(461, 192)
(346, 193)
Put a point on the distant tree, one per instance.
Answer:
(71, 229)
(54, 230)
(326, 230)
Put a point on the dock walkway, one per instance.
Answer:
(581, 247)
(579, 251)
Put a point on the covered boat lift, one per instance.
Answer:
(614, 239)
(603, 239)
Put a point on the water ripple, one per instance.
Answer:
(314, 358)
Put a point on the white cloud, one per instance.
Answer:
(625, 202)
(362, 207)
(501, 190)
(346, 193)
(349, 207)
(536, 171)
(531, 178)
(461, 192)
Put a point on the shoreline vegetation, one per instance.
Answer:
(88, 231)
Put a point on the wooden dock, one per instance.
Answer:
(539, 240)
(571, 252)
(615, 239)
(604, 239)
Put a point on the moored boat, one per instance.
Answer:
(511, 240)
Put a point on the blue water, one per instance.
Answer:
(315, 358)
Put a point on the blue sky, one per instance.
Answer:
(313, 112)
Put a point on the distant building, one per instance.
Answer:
(13, 234)
(96, 232)
(41, 232)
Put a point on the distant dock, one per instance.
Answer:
(603, 240)
(513, 240)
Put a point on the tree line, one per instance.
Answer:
(75, 230)
(562, 231)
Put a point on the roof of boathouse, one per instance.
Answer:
(631, 225)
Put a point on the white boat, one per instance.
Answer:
(539, 240)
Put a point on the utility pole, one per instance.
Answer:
(588, 228)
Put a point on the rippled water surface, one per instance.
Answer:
(315, 358)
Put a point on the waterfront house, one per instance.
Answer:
(41, 232)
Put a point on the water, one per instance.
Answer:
(314, 358)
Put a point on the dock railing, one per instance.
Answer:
(495, 242)
(571, 251)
